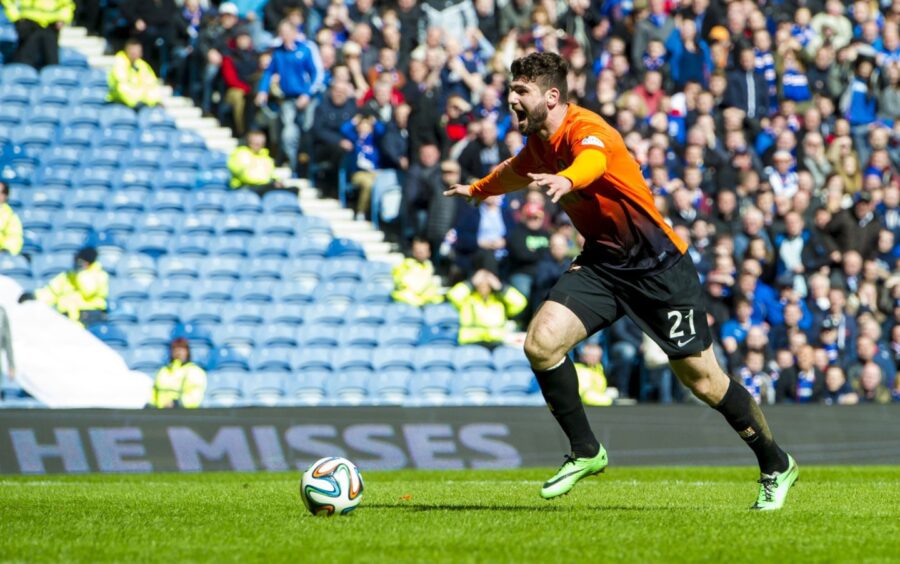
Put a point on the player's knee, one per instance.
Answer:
(541, 348)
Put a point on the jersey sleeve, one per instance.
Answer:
(586, 135)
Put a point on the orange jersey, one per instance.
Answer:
(615, 213)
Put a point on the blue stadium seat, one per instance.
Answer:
(432, 387)
(207, 200)
(307, 387)
(514, 383)
(215, 160)
(510, 358)
(390, 387)
(43, 199)
(191, 246)
(156, 119)
(272, 359)
(289, 314)
(134, 291)
(277, 225)
(213, 291)
(14, 265)
(335, 292)
(265, 389)
(224, 387)
(297, 292)
(149, 243)
(337, 269)
(15, 95)
(278, 336)
(95, 176)
(61, 156)
(317, 228)
(243, 314)
(16, 73)
(281, 202)
(48, 265)
(152, 139)
(358, 336)
(80, 116)
(399, 335)
(268, 246)
(374, 293)
(49, 96)
(306, 269)
(302, 247)
(166, 201)
(204, 223)
(401, 313)
(350, 386)
(80, 136)
(443, 314)
(41, 135)
(64, 241)
(243, 201)
(221, 268)
(264, 269)
(398, 356)
(58, 75)
(472, 357)
(158, 312)
(241, 338)
(438, 335)
(88, 97)
(146, 359)
(136, 178)
(380, 272)
(155, 334)
(226, 358)
(115, 116)
(173, 291)
(177, 267)
(176, 180)
(73, 220)
(371, 315)
(113, 137)
(142, 158)
(87, 199)
(122, 315)
(181, 139)
(473, 386)
(45, 115)
(311, 335)
(218, 179)
(36, 219)
(129, 200)
(430, 357)
(73, 58)
(343, 247)
(312, 358)
(253, 291)
(103, 157)
(31, 243)
(159, 222)
(24, 171)
(195, 333)
(230, 246)
(237, 224)
(109, 334)
(10, 114)
(200, 314)
(324, 314)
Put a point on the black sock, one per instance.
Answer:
(744, 415)
(560, 388)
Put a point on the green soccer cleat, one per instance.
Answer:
(773, 488)
(572, 470)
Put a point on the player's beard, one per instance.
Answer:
(534, 119)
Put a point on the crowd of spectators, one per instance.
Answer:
(769, 135)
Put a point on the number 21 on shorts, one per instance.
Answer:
(677, 329)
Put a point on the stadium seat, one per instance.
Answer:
(115, 116)
(350, 387)
(472, 357)
(438, 335)
(359, 336)
(221, 268)
(373, 293)
(151, 335)
(128, 200)
(79, 136)
(473, 386)
(390, 387)
(137, 266)
(48, 265)
(335, 293)
(366, 314)
(113, 137)
(401, 313)
(173, 291)
(207, 200)
(44, 96)
(398, 356)
(230, 246)
(241, 338)
(131, 291)
(302, 247)
(19, 74)
(237, 224)
(280, 202)
(149, 243)
(72, 58)
(264, 269)
(173, 267)
(158, 312)
(253, 291)
(338, 269)
(343, 247)
(88, 97)
(510, 358)
(146, 359)
(156, 119)
(191, 246)
(10, 114)
(243, 201)
(151, 138)
(302, 270)
(324, 314)
(399, 335)
(243, 314)
(61, 156)
(514, 383)
(265, 388)
(272, 359)
(200, 314)
(183, 160)
(195, 333)
(204, 223)
(136, 178)
(94, 176)
(15, 95)
(37, 135)
(223, 387)
(431, 387)
(278, 336)
(45, 115)
(312, 358)
(175, 180)
(36, 219)
(214, 179)
(431, 357)
(87, 199)
(213, 291)
(277, 225)
(64, 241)
(164, 201)
(316, 335)
(75, 220)
(181, 139)
(307, 387)
(14, 265)
(268, 246)
(443, 314)
(109, 334)
(296, 292)
(379, 272)
(141, 158)
(288, 314)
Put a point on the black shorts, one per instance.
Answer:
(667, 305)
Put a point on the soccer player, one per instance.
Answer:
(632, 264)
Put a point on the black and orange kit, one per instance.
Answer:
(632, 263)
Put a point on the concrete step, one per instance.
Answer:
(102, 62)
(183, 112)
(70, 32)
(380, 248)
(389, 258)
(197, 123)
(177, 102)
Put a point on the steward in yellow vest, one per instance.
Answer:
(181, 383)
(414, 277)
(251, 166)
(10, 225)
(132, 81)
(591, 377)
(485, 305)
(80, 290)
(37, 24)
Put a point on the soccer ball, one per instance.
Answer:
(331, 486)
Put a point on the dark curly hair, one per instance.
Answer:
(547, 70)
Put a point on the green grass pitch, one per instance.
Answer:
(835, 514)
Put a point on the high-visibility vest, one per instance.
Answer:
(132, 84)
(249, 168)
(484, 320)
(10, 230)
(71, 293)
(592, 384)
(42, 12)
(184, 383)
(414, 283)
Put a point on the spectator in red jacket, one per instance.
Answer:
(240, 71)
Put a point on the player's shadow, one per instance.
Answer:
(489, 508)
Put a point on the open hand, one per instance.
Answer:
(459, 190)
(557, 186)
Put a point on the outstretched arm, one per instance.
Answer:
(501, 180)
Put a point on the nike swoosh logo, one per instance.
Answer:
(683, 343)
(563, 477)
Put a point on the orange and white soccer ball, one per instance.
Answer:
(331, 486)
